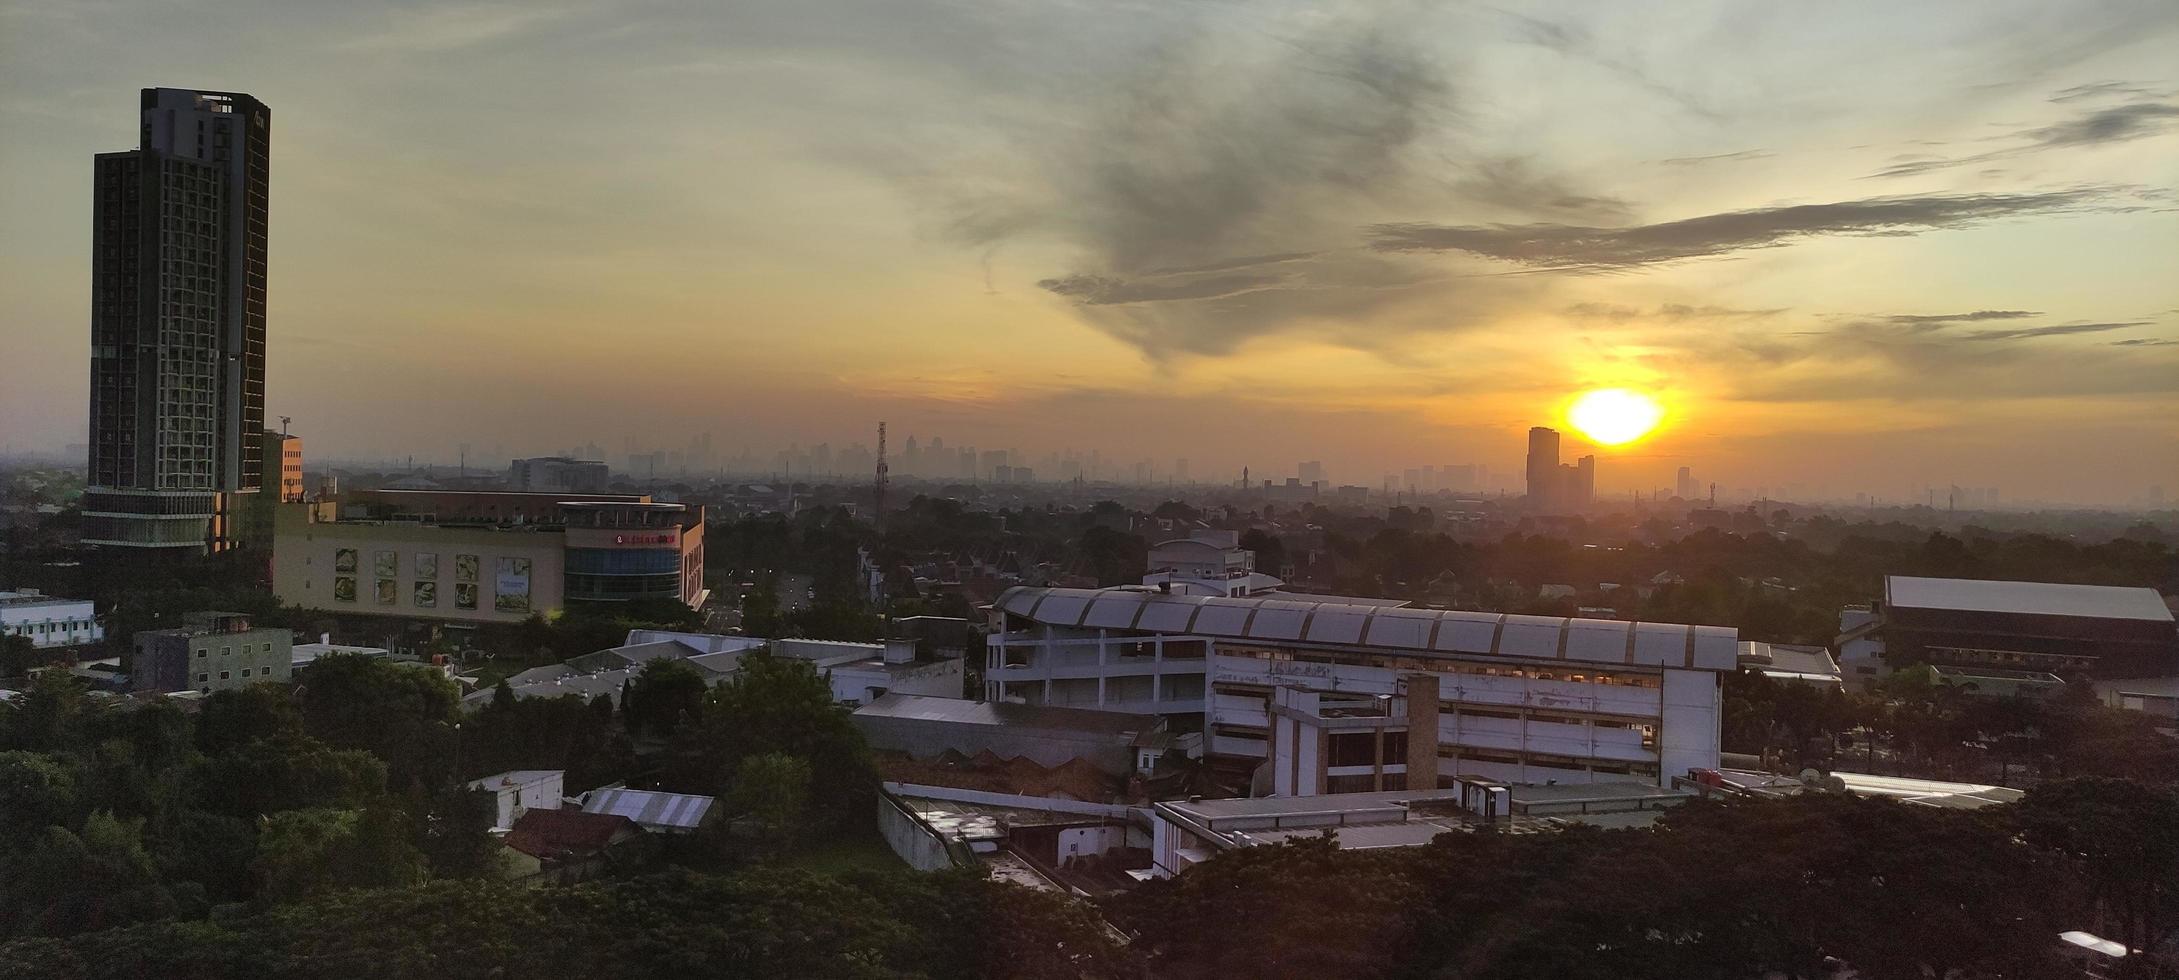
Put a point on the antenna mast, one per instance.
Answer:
(879, 494)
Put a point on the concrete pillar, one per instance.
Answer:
(1422, 732)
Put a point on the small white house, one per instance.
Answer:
(522, 790)
(49, 621)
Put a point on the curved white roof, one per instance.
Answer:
(1364, 624)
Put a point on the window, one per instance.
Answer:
(223, 675)
(201, 652)
(1350, 784)
(201, 678)
(1353, 749)
(245, 671)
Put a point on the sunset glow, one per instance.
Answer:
(1615, 416)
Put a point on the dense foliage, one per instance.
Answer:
(759, 923)
(1728, 891)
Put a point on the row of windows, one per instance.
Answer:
(247, 649)
(50, 627)
(227, 674)
(1540, 760)
(1426, 665)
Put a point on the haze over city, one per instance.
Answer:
(1871, 249)
(1024, 489)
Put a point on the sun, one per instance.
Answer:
(1614, 416)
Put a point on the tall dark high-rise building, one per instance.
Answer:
(178, 323)
(1543, 468)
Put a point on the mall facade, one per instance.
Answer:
(485, 557)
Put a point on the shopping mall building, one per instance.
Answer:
(485, 557)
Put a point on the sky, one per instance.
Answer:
(1853, 247)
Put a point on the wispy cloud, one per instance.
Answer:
(1735, 157)
(2053, 330)
(1666, 312)
(2095, 127)
(1580, 247)
(443, 27)
(2111, 89)
(1950, 318)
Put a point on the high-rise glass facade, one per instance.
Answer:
(178, 322)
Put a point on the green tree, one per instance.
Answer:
(287, 773)
(452, 829)
(2126, 837)
(18, 654)
(778, 705)
(301, 853)
(50, 714)
(770, 799)
(64, 883)
(401, 714)
(664, 694)
(36, 791)
(239, 716)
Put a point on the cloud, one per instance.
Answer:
(453, 26)
(1574, 42)
(2054, 330)
(2146, 342)
(1516, 184)
(2111, 124)
(1104, 291)
(1950, 318)
(1210, 193)
(1668, 311)
(2105, 90)
(1735, 157)
(1581, 247)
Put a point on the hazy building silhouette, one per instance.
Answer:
(1543, 467)
(178, 323)
(1553, 487)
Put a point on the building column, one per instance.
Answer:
(1422, 732)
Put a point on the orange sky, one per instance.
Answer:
(1853, 249)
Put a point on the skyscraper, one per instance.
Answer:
(1685, 488)
(178, 323)
(1543, 468)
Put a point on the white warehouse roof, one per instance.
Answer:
(2027, 598)
(1337, 621)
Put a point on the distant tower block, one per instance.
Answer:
(878, 492)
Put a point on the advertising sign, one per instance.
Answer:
(511, 585)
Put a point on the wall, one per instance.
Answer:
(212, 661)
(1687, 738)
(909, 838)
(55, 624)
(851, 683)
(306, 567)
(925, 739)
(1077, 842)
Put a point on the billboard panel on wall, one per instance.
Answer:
(511, 585)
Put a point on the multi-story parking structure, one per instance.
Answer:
(1523, 698)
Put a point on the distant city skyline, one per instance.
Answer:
(1375, 237)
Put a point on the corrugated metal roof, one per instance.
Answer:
(669, 811)
(960, 711)
(1339, 621)
(2028, 598)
